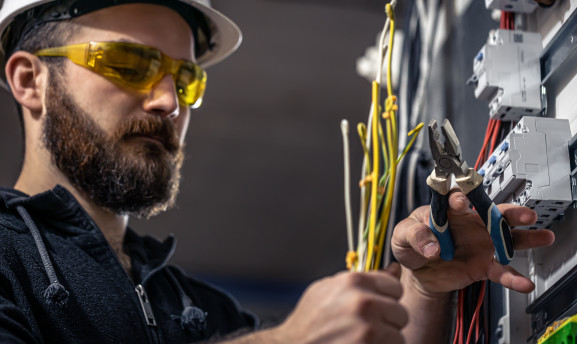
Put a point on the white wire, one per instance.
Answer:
(347, 163)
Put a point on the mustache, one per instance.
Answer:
(154, 127)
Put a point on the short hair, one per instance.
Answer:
(45, 35)
(48, 35)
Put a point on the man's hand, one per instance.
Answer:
(349, 307)
(417, 249)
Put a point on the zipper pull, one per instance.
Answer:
(143, 298)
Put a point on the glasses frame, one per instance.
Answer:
(93, 56)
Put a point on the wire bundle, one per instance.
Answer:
(475, 294)
(380, 144)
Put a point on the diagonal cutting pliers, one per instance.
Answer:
(446, 151)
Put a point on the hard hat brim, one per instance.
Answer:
(225, 36)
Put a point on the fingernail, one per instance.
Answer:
(430, 249)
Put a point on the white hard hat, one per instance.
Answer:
(216, 36)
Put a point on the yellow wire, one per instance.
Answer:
(374, 176)
(414, 133)
(382, 187)
(384, 148)
(392, 139)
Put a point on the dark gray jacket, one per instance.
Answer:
(60, 282)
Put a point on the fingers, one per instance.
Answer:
(349, 307)
(518, 215)
(374, 296)
(394, 269)
(509, 278)
(381, 282)
(524, 239)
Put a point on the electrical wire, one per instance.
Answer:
(351, 255)
(494, 133)
(380, 142)
(476, 314)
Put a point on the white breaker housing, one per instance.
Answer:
(531, 167)
(507, 73)
(517, 6)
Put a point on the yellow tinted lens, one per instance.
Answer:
(136, 66)
(190, 84)
(131, 65)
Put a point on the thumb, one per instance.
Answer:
(394, 269)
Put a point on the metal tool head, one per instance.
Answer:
(446, 150)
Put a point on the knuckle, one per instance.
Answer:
(353, 279)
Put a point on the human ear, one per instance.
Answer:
(26, 76)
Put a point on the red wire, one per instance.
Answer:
(491, 134)
(480, 158)
(459, 326)
(477, 309)
(495, 134)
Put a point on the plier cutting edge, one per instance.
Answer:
(448, 160)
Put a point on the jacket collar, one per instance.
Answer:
(58, 209)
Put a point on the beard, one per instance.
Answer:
(123, 172)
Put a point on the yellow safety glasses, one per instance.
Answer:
(136, 66)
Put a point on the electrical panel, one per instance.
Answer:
(531, 167)
(507, 73)
(535, 166)
(526, 72)
(518, 6)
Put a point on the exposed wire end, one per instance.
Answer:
(413, 134)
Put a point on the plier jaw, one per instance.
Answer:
(446, 151)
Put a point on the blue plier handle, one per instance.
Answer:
(438, 221)
(449, 161)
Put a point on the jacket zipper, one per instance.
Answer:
(147, 311)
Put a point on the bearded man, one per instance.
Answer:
(105, 90)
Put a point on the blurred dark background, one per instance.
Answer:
(261, 211)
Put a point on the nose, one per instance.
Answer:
(163, 99)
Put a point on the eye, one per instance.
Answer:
(127, 73)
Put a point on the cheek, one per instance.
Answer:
(102, 100)
(181, 123)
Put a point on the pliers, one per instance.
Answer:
(449, 161)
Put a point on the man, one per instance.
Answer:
(105, 91)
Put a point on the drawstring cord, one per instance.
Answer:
(55, 293)
(192, 318)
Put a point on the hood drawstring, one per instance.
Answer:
(192, 318)
(55, 293)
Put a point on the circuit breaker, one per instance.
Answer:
(518, 6)
(507, 73)
(531, 167)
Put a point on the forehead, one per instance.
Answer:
(154, 25)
